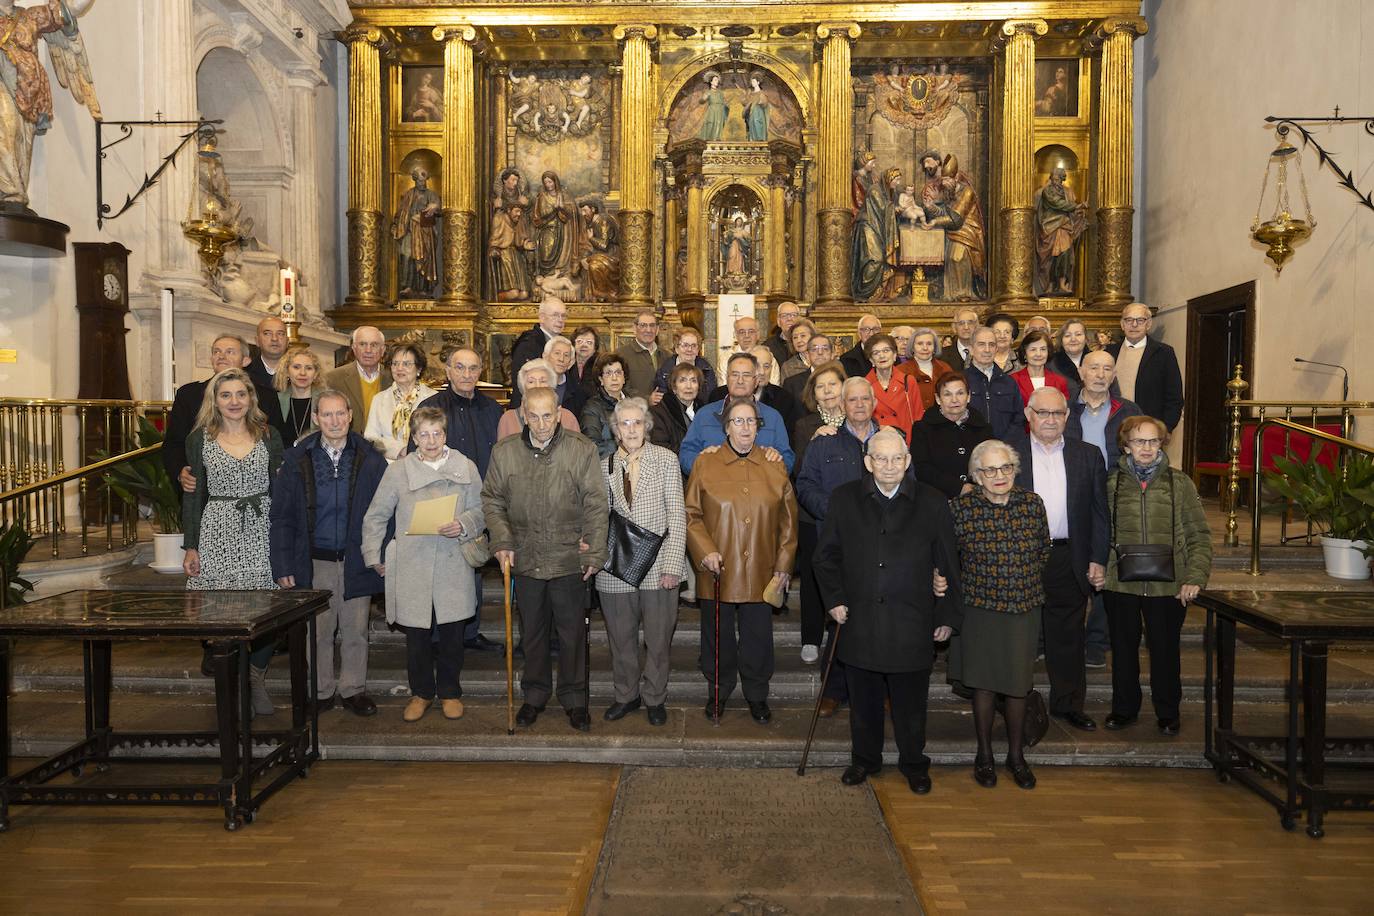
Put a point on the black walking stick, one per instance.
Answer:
(510, 651)
(816, 713)
(587, 661)
(715, 695)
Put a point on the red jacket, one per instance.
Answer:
(901, 405)
(1052, 380)
(938, 368)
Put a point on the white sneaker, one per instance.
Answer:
(810, 654)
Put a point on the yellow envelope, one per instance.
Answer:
(431, 513)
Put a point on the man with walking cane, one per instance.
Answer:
(883, 539)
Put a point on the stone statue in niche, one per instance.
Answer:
(556, 226)
(1060, 219)
(26, 95)
(756, 108)
(415, 227)
(599, 265)
(716, 109)
(737, 250)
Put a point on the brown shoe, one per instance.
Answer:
(828, 707)
(416, 708)
(453, 709)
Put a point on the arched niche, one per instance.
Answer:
(720, 101)
(736, 237)
(1049, 157)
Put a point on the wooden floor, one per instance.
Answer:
(1097, 840)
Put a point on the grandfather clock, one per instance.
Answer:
(102, 301)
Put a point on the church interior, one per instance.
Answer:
(174, 173)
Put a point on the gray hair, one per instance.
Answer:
(854, 381)
(332, 393)
(975, 460)
(535, 365)
(626, 405)
(931, 331)
(243, 344)
(556, 339)
(887, 434)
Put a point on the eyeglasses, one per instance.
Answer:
(403, 364)
(881, 351)
(744, 421)
(742, 376)
(1005, 470)
(887, 460)
(1049, 414)
(646, 324)
(1134, 322)
(1144, 443)
(612, 372)
(631, 424)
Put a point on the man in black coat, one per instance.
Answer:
(553, 317)
(1147, 370)
(884, 537)
(819, 351)
(964, 323)
(1071, 479)
(789, 313)
(855, 360)
(993, 393)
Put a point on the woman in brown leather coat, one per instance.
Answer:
(742, 526)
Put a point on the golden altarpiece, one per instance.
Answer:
(895, 158)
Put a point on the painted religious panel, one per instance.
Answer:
(919, 189)
(1056, 88)
(735, 105)
(422, 95)
(550, 231)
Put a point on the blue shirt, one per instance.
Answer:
(1095, 427)
(706, 431)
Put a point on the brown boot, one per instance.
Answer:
(416, 708)
(453, 709)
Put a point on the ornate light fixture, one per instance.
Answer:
(210, 234)
(1281, 231)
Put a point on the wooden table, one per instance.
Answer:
(1308, 622)
(229, 621)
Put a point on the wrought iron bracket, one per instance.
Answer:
(126, 130)
(1346, 178)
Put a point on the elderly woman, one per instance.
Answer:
(687, 352)
(1151, 503)
(430, 589)
(388, 419)
(537, 373)
(596, 414)
(823, 398)
(742, 537)
(1005, 329)
(943, 440)
(646, 488)
(1069, 350)
(586, 347)
(797, 340)
(558, 351)
(234, 454)
(1034, 352)
(898, 401)
(299, 381)
(1004, 541)
(925, 366)
(674, 414)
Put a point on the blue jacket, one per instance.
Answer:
(292, 516)
(706, 430)
(830, 461)
(997, 399)
(471, 424)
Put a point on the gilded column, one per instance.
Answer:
(834, 161)
(365, 46)
(459, 192)
(672, 191)
(1016, 238)
(636, 163)
(776, 273)
(1116, 170)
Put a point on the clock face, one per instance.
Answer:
(112, 287)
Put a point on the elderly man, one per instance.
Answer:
(1069, 477)
(903, 333)
(1147, 370)
(1096, 414)
(643, 358)
(365, 377)
(993, 393)
(546, 508)
(855, 360)
(964, 323)
(706, 431)
(829, 462)
(789, 313)
(819, 351)
(765, 392)
(553, 318)
(572, 394)
(319, 498)
(884, 538)
(1037, 322)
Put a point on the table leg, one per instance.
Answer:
(300, 694)
(1287, 817)
(1208, 648)
(224, 659)
(1226, 672)
(1314, 737)
(102, 685)
(243, 790)
(4, 733)
(313, 647)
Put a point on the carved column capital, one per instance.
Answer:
(1135, 26)
(366, 34)
(1007, 32)
(627, 32)
(454, 33)
(847, 31)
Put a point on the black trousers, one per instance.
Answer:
(1163, 624)
(748, 657)
(813, 617)
(434, 659)
(546, 604)
(908, 691)
(837, 688)
(1062, 622)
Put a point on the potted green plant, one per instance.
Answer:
(1339, 503)
(144, 481)
(15, 542)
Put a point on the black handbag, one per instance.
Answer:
(631, 549)
(1143, 562)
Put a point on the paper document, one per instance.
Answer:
(431, 513)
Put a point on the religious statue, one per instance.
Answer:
(508, 250)
(555, 222)
(1060, 220)
(716, 109)
(756, 108)
(600, 261)
(552, 107)
(735, 248)
(26, 99)
(426, 102)
(415, 227)
(874, 251)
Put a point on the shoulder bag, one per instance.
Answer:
(1143, 562)
(631, 549)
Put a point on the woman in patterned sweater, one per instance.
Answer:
(1004, 541)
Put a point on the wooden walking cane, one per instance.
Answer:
(715, 696)
(816, 713)
(510, 653)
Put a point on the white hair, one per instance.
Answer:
(626, 405)
(535, 365)
(884, 435)
(975, 460)
(854, 381)
(556, 339)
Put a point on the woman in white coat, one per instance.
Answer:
(388, 419)
(430, 589)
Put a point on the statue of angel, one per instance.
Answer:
(26, 99)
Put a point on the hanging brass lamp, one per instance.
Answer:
(1281, 231)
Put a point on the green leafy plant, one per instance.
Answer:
(15, 542)
(144, 481)
(1341, 506)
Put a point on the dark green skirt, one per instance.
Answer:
(995, 651)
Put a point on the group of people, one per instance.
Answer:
(924, 498)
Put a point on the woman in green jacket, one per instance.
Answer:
(1151, 503)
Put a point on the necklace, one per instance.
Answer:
(299, 417)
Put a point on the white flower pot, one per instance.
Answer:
(167, 553)
(1344, 559)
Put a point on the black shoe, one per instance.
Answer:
(324, 704)
(527, 715)
(360, 704)
(984, 772)
(1169, 727)
(854, 774)
(1095, 658)
(1078, 720)
(620, 710)
(580, 719)
(690, 602)
(658, 715)
(480, 643)
(1021, 774)
(714, 710)
(760, 711)
(1116, 723)
(919, 784)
